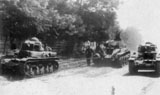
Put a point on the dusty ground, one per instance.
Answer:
(83, 80)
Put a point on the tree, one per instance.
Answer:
(70, 20)
(98, 16)
(16, 24)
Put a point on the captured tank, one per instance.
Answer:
(111, 53)
(146, 58)
(31, 60)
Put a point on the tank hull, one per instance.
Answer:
(115, 61)
(30, 67)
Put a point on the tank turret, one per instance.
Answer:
(34, 48)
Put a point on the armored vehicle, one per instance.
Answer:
(146, 58)
(31, 60)
(111, 53)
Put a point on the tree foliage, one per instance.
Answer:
(75, 20)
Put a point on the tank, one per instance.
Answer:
(110, 53)
(146, 58)
(31, 60)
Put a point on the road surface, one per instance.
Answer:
(84, 80)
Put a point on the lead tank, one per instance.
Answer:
(32, 60)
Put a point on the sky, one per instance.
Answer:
(144, 15)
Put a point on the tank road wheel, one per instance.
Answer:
(32, 71)
(37, 70)
(132, 68)
(47, 69)
(55, 66)
(51, 68)
(157, 69)
(41, 69)
(27, 68)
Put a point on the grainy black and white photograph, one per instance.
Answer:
(79, 47)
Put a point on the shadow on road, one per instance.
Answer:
(144, 74)
(113, 65)
(13, 78)
(106, 62)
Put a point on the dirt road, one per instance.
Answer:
(84, 81)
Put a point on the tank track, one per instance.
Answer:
(122, 60)
(31, 67)
(36, 67)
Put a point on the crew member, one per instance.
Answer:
(89, 54)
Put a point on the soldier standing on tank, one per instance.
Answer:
(89, 54)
